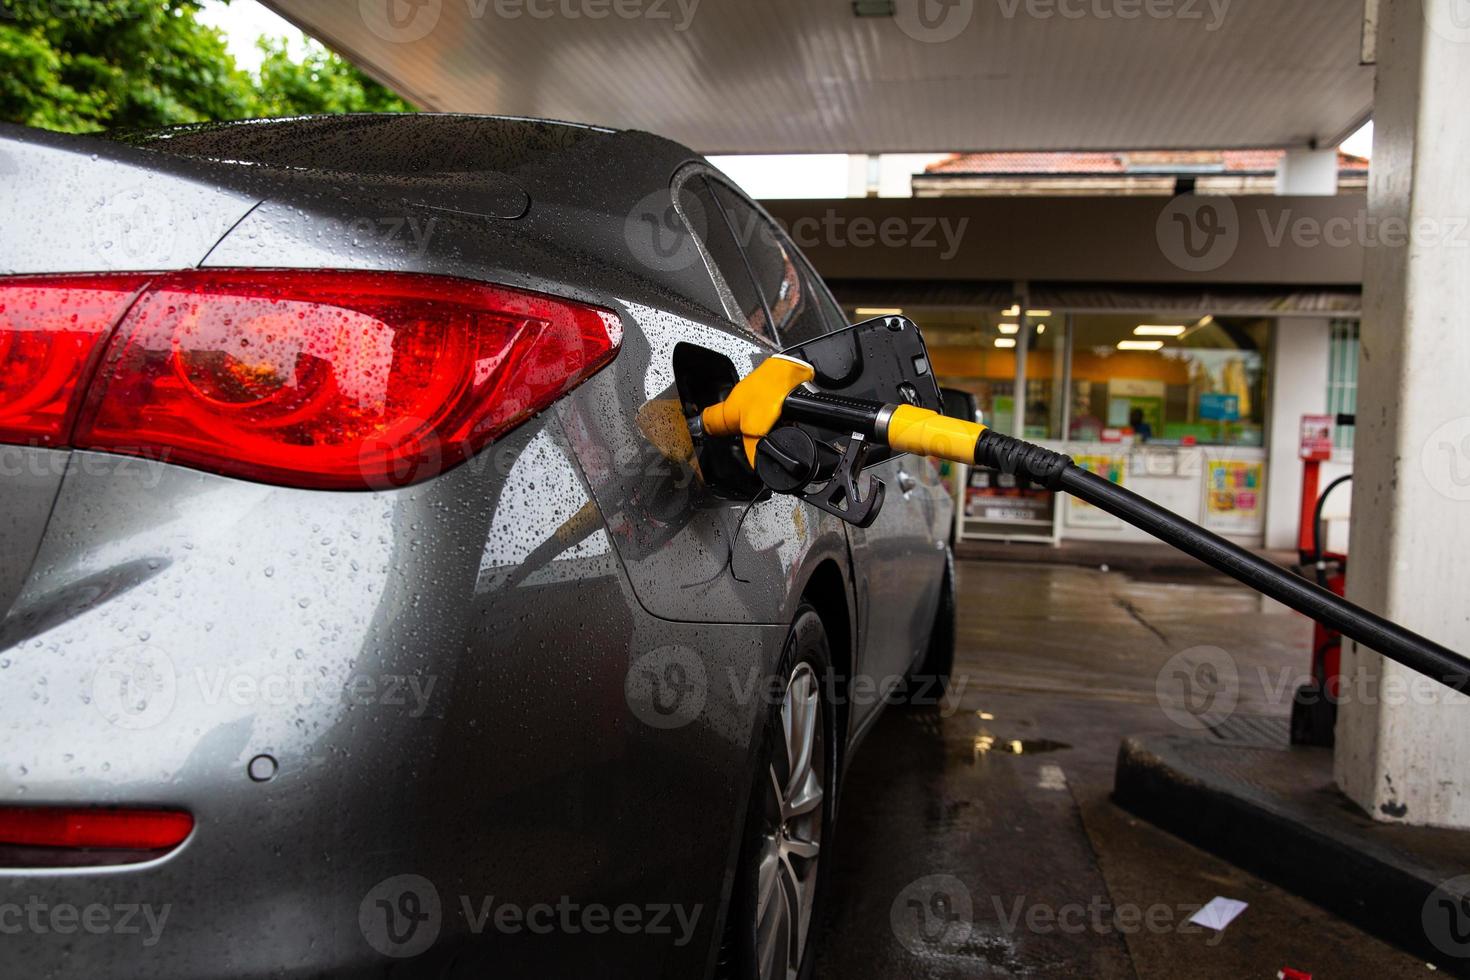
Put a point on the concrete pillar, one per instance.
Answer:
(1305, 171)
(1403, 745)
(863, 174)
(1299, 361)
(896, 172)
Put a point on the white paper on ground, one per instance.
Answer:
(1218, 913)
(1052, 777)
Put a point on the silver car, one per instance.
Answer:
(368, 608)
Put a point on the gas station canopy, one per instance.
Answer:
(777, 76)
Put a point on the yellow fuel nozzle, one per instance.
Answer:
(759, 400)
(754, 405)
(926, 433)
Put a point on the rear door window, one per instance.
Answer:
(794, 300)
(830, 316)
(705, 215)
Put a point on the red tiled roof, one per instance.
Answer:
(1229, 161)
(1028, 163)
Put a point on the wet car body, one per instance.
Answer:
(441, 688)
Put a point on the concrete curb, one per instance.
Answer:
(1136, 558)
(1309, 842)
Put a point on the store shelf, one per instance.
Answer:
(1006, 522)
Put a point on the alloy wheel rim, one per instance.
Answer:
(791, 832)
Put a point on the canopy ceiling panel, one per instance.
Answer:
(791, 76)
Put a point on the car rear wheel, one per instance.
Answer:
(779, 880)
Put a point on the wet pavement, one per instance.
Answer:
(980, 841)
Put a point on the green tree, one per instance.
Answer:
(84, 65)
(323, 81)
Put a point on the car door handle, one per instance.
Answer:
(906, 483)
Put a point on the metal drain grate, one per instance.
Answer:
(1261, 730)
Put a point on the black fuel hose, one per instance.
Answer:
(908, 428)
(1333, 611)
(1321, 505)
(1056, 471)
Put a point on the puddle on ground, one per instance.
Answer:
(990, 744)
(986, 742)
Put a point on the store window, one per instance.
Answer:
(1342, 378)
(1169, 380)
(972, 350)
(1156, 378)
(1045, 336)
(1099, 384)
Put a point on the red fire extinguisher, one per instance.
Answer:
(1314, 707)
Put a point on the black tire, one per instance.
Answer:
(808, 654)
(928, 679)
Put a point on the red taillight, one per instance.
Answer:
(322, 379)
(130, 830)
(51, 328)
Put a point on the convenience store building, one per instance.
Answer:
(1165, 318)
